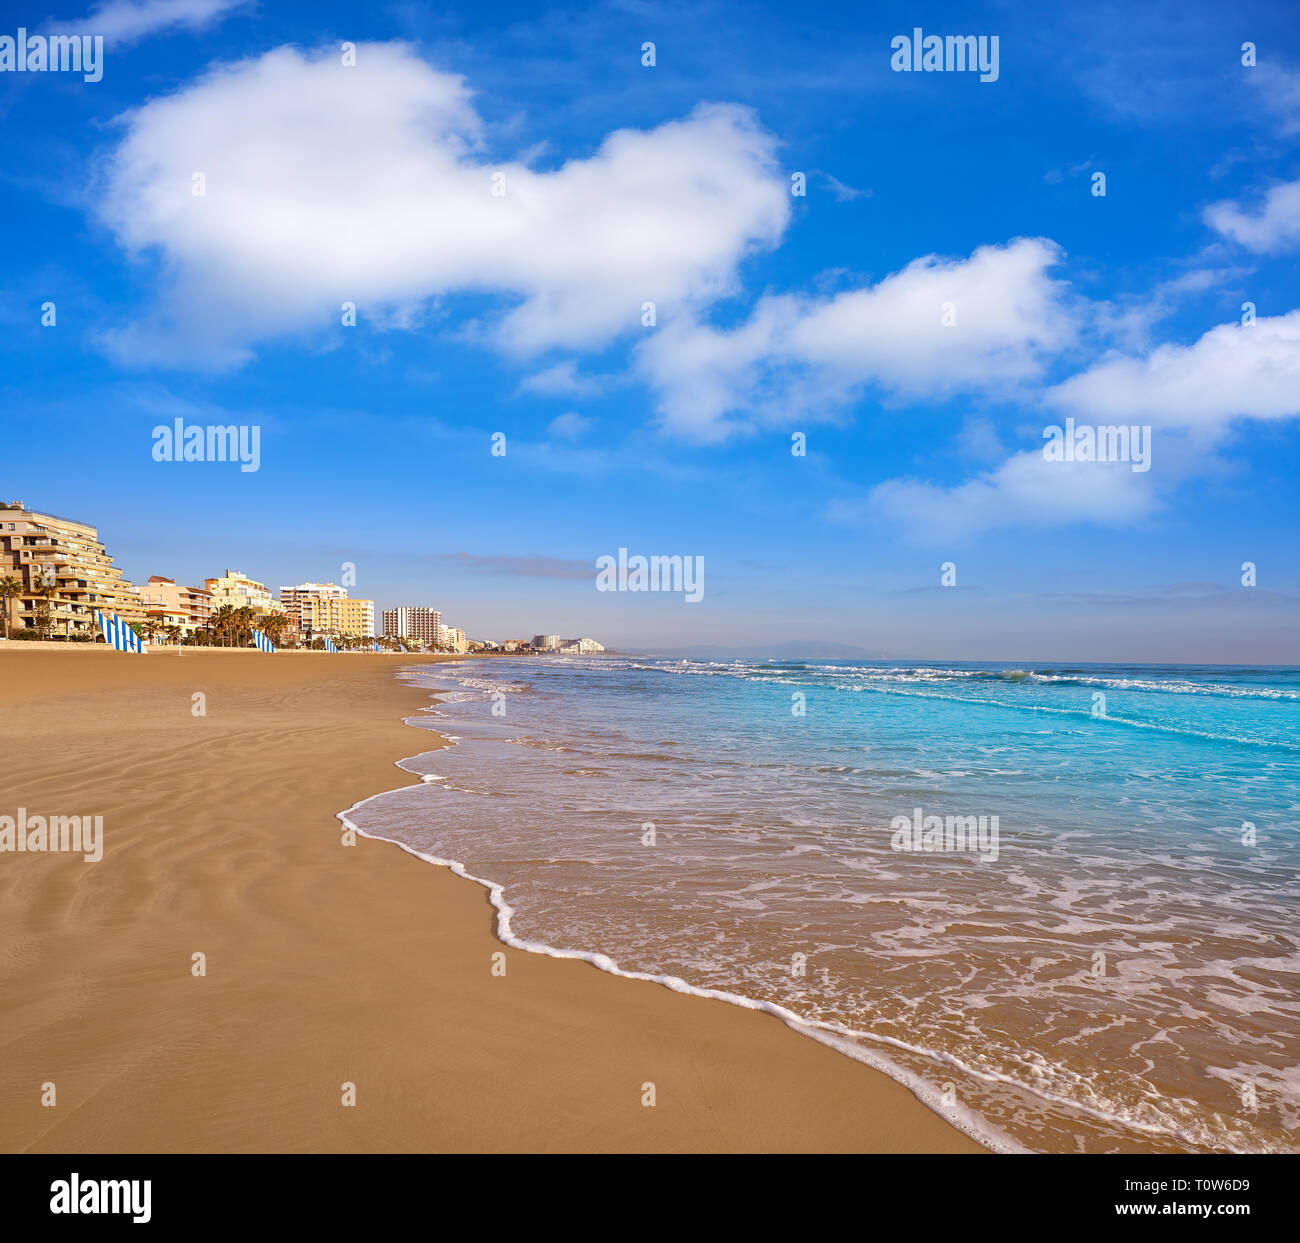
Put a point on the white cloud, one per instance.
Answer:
(569, 425)
(1280, 87)
(1025, 490)
(327, 183)
(1189, 395)
(844, 193)
(563, 380)
(123, 22)
(1274, 226)
(1231, 372)
(813, 356)
(1128, 322)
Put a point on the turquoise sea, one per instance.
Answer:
(1124, 975)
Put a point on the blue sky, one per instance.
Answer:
(776, 314)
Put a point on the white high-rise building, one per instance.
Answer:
(414, 621)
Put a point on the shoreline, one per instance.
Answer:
(847, 1044)
(328, 964)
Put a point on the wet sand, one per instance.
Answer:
(329, 964)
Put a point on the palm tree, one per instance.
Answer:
(10, 589)
(244, 617)
(173, 633)
(273, 626)
(147, 629)
(222, 623)
(47, 588)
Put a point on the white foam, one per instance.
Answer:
(849, 1040)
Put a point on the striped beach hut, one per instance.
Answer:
(263, 643)
(329, 644)
(117, 633)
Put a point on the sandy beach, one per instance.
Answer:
(329, 964)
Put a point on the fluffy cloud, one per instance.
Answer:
(1274, 226)
(1008, 317)
(1189, 395)
(327, 183)
(1231, 372)
(1025, 490)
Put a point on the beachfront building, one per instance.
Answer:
(327, 609)
(312, 608)
(546, 642)
(172, 604)
(580, 647)
(239, 591)
(414, 621)
(357, 617)
(64, 575)
(454, 640)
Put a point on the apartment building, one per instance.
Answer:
(238, 591)
(357, 617)
(414, 621)
(171, 604)
(546, 642)
(64, 573)
(580, 647)
(326, 609)
(311, 607)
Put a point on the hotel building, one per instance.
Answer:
(358, 617)
(238, 591)
(65, 559)
(325, 608)
(414, 621)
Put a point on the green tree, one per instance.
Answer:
(222, 624)
(243, 625)
(10, 589)
(47, 591)
(274, 626)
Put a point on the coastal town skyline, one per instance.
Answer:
(57, 577)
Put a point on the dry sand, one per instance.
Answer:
(329, 964)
